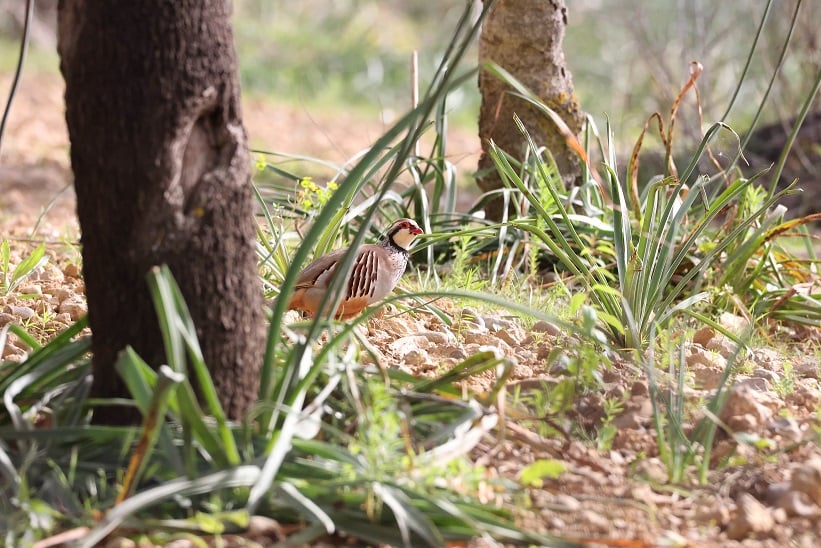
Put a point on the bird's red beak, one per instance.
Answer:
(416, 230)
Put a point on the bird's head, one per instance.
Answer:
(403, 231)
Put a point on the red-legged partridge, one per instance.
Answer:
(377, 268)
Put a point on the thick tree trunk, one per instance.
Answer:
(162, 175)
(525, 38)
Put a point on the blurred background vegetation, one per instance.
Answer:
(629, 58)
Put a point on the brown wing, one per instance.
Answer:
(319, 272)
(313, 282)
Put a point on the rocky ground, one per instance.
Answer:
(769, 494)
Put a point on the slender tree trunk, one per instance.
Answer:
(162, 175)
(525, 38)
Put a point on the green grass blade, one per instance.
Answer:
(179, 335)
(141, 381)
(153, 425)
(28, 265)
(308, 506)
(241, 476)
(408, 519)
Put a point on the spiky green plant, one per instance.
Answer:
(656, 236)
(11, 278)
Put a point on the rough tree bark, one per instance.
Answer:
(525, 38)
(162, 175)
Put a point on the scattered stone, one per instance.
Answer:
(640, 389)
(438, 337)
(568, 503)
(5, 318)
(794, 497)
(424, 340)
(707, 367)
(779, 515)
(21, 312)
(415, 356)
(469, 314)
(636, 441)
(10, 349)
(471, 348)
(508, 337)
(372, 356)
(770, 376)
(63, 318)
(45, 306)
(543, 326)
(768, 358)
(543, 352)
(707, 377)
(636, 415)
(75, 308)
(55, 326)
(723, 449)
(703, 336)
(807, 479)
(746, 409)
(63, 293)
(723, 345)
(718, 515)
(711, 340)
(595, 520)
(756, 383)
(51, 273)
(409, 343)
(809, 369)
(72, 271)
(30, 289)
(528, 340)
(698, 355)
(494, 323)
(785, 427)
(775, 491)
(560, 366)
(486, 339)
(525, 355)
(556, 523)
(751, 518)
(522, 372)
(79, 285)
(507, 330)
(467, 325)
(806, 394)
(643, 492)
(652, 469)
(746, 423)
(457, 353)
(796, 503)
(736, 324)
(400, 326)
(261, 526)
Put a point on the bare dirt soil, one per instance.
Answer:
(767, 492)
